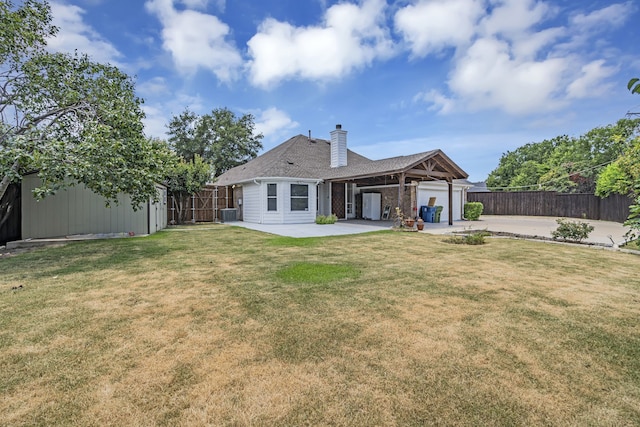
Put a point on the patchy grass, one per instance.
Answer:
(221, 325)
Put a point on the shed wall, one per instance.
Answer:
(78, 210)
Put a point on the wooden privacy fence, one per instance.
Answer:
(203, 206)
(550, 203)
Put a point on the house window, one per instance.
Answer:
(299, 197)
(272, 197)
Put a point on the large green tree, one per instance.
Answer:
(623, 175)
(67, 118)
(565, 164)
(522, 168)
(221, 138)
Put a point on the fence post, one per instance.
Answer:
(193, 208)
(173, 209)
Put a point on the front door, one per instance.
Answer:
(338, 200)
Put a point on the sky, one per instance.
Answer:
(474, 78)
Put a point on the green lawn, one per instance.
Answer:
(219, 325)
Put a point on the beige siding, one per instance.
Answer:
(78, 210)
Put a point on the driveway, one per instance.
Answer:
(604, 233)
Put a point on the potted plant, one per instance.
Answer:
(409, 222)
(420, 224)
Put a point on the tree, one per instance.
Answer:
(521, 169)
(186, 178)
(624, 176)
(634, 85)
(220, 138)
(564, 164)
(70, 120)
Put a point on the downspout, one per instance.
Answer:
(318, 182)
(148, 217)
(259, 184)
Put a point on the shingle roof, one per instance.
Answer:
(301, 157)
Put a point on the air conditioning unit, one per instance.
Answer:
(229, 214)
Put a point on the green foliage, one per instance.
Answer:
(614, 178)
(630, 165)
(523, 166)
(564, 164)
(326, 219)
(634, 85)
(186, 178)
(71, 119)
(220, 138)
(575, 231)
(473, 210)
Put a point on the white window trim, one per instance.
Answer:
(272, 197)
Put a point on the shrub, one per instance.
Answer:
(574, 231)
(326, 219)
(473, 210)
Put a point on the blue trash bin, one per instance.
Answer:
(428, 213)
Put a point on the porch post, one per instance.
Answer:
(401, 191)
(450, 185)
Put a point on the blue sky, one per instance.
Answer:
(475, 78)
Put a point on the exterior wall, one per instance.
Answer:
(78, 210)
(255, 203)
(425, 190)
(389, 197)
(251, 203)
(324, 199)
(238, 201)
(440, 190)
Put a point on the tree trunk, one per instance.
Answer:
(7, 205)
(6, 180)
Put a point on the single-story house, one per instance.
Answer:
(79, 211)
(305, 177)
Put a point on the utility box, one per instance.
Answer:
(371, 206)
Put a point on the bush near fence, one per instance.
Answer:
(550, 203)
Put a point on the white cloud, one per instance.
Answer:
(430, 26)
(196, 40)
(506, 56)
(513, 17)
(155, 122)
(438, 101)
(351, 37)
(75, 35)
(611, 16)
(153, 87)
(487, 76)
(589, 82)
(273, 123)
(195, 4)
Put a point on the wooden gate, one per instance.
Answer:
(203, 206)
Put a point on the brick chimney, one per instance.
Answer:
(338, 147)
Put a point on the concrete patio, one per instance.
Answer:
(604, 233)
